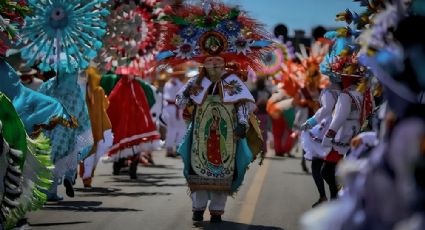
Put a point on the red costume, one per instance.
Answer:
(131, 120)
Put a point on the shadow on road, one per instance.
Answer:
(158, 166)
(148, 180)
(114, 192)
(59, 223)
(227, 225)
(297, 173)
(84, 206)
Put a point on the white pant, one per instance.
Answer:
(217, 204)
(176, 128)
(89, 164)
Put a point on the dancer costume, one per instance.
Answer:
(132, 125)
(280, 108)
(66, 144)
(24, 170)
(172, 114)
(397, 163)
(97, 104)
(316, 126)
(214, 160)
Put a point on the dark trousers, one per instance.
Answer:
(316, 168)
(328, 174)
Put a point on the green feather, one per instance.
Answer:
(179, 21)
(234, 13)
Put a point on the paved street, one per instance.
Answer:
(273, 197)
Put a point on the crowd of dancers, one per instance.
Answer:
(117, 80)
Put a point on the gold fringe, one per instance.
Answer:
(73, 123)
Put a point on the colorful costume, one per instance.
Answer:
(66, 143)
(97, 104)
(385, 187)
(24, 167)
(37, 111)
(281, 110)
(215, 151)
(132, 124)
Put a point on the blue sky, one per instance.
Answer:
(296, 14)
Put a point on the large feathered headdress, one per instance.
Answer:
(214, 29)
(134, 35)
(61, 27)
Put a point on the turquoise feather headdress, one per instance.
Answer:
(72, 27)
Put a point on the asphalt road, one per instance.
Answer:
(273, 197)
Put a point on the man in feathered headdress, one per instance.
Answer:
(223, 135)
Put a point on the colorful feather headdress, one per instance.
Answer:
(134, 35)
(386, 56)
(306, 72)
(214, 29)
(11, 16)
(61, 27)
(272, 60)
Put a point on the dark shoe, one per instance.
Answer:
(304, 167)
(215, 219)
(133, 169)
(198, 216)
(116, 168)
(321, 200)
(69, 188)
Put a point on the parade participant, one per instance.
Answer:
(215, 151)
(315, 127)
(281, 111)
(306, 99)
(66, 143)
(97, 104)
(24, 167)
(213, 173)
(392, 165)
(279, 105)
(345, 125)
(172, 115)
(132, 125)
(28, 79)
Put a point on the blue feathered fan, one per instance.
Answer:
(57, 27)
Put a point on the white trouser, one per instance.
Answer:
(89, 164)
(176, 127)
(217, 204)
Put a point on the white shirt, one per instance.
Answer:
(171, 88)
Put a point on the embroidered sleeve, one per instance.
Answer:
(182, 100)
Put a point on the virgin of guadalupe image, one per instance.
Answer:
(216, 136)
